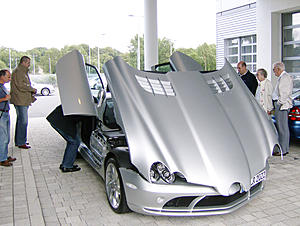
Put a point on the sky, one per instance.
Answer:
(55, 23)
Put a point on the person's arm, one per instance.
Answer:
(285, 88)
(269, 91)
(22, 82)
(254, 84)
(6, 98)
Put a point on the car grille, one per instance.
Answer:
(210, 203)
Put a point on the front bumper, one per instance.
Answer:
(179, 200)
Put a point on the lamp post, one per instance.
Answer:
(138, 51)
(99, 69)
(89, 54)
(171, 45)
(33, 63)
(98, 57)
(49, 65)
(9, 52)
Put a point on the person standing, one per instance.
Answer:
(248, 78)
(22, 96)
(282, 97)
(4, 120)
(264, 91)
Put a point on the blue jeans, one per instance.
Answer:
(4, 135)
(71, 149)
(21, 125)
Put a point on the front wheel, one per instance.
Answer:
(45, 92)
(114, 187)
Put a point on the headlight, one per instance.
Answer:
(160, 171)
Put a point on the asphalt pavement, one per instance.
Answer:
(44, 105)
(35, 192)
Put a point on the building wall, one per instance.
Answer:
(223, 5)
(237, 22)
(269, 43)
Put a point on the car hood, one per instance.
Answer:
(182, 62)
(207, 126)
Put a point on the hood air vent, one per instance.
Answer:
(156, 86)
(220, 84)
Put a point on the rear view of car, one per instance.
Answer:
(294, 116)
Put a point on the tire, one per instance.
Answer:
(114, 187)
(45, 92)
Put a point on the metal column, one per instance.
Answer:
(151, 42)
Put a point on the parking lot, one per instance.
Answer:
(35, 192)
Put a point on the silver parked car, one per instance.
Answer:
(43, 89)
(181, 143)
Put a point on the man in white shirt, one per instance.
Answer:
(282, 97)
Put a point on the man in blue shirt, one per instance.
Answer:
(4, 120)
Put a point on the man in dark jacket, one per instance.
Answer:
(248, 78)
(68, 127)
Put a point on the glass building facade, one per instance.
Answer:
(291, 43)
(241, 49)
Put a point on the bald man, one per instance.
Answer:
(248, 78)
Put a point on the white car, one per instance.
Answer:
(43, 89)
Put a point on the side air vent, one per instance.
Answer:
(156, 86)
(220, 84)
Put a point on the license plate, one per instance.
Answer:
(258, 178)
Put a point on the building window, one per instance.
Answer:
(291, 42)
(241, 49)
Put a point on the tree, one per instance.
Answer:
(53, 54)
(163, 51)
(2, 65)
(204, 54)
(207, 55)
(35, 55)
(105, 54)
(4, 56)
(132, 57)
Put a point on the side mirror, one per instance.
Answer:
(101, 97)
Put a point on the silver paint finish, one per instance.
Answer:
(182, 62)
(148, 198)
(75, 94)
(206, 126)
(212, 139)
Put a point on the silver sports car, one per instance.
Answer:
(182, 143)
